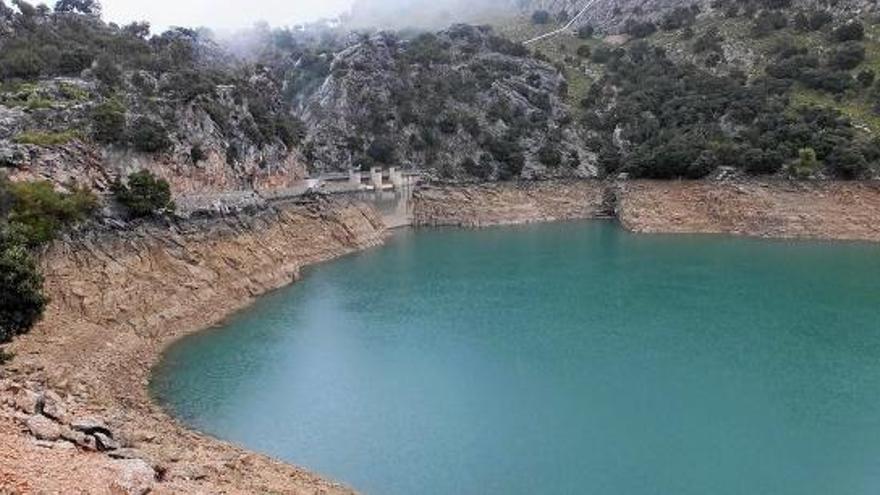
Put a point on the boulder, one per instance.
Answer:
(43, 428)
(135, 477)
(79, 439)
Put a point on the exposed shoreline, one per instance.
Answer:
(120, 298)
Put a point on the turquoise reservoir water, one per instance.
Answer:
(569, 358)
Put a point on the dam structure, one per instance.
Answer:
(389, 190)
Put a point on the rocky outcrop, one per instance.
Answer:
(118, 298)
(509, 203)
(782, 209)
(461, 103)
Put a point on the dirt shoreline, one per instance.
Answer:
(119, 298)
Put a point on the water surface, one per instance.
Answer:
(570, 358)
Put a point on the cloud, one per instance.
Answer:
(221, 14)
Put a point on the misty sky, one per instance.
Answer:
(221, 14)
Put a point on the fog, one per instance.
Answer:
(424, 13)
(236, 14)
(222, 14)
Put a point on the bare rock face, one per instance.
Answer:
(208, 152)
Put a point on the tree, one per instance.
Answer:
(144, 194)
(847, 56)
(39, 212)
(21, 296)
(149, 136)
(807, 162)
(540, 17)
(108, 123)
(866, 78)
(851, 31)
(585, 32)
(86, 7)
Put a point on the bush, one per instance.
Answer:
(769, 21)
(710, 41)
(45, 138)
(602, 54)
(679, 17)
(149, 136)
(21, 291)
(812, 21)
(108, 123)
(866, 78)
(549, 156)
(584, 51)
(638, 29)
(807, 163)
(480, 169)
(144, 194)
(540, 17)
(851, 31)
(585, 32)
(847, 162)
(39, 212)
(847, 56)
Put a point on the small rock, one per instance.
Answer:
(105, 442)
(79, 439)
(136, 477)
(53, 406)
(90, 426)
(28, 401)
(43, 428)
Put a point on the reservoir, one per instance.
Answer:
(569, 358)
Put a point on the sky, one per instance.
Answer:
(221, 14)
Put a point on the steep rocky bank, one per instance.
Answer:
(759, 208)
(75, 413)
(510, 203)
(118, 298)
(778, 209)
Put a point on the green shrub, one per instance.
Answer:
(549, 156)
(108, 123)
(540, 17)
(47, 138)
(807, 163)
(21, 292)
(584, 51)
(851, 31)
(847, 56)
(866, 78)
(39, 212)
(149, 136)
(144, 194)
(585, 32)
